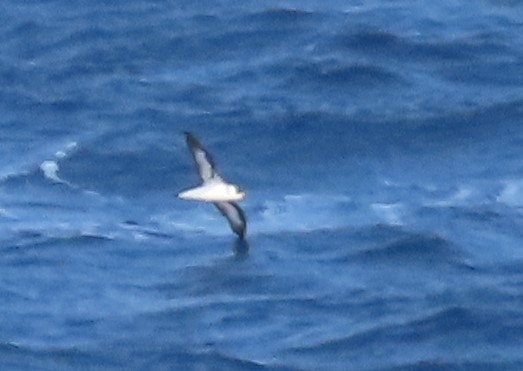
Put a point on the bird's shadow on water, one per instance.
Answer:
(230, 274)
(240, 248)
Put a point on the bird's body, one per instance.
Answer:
(214, 189)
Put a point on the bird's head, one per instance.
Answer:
(236, 192)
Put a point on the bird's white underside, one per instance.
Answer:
(213, 192)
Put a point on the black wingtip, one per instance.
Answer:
(239, 231)
(242, 231)
(239, 228)
(191, 139)
(187, 134)
(240, 234)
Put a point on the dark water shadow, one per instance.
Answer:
(240, 248)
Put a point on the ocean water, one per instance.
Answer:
(380, 144)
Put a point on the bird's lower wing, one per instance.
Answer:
(234, 215)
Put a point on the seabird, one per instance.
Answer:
(214, 189)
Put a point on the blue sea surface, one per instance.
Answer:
(379, 143)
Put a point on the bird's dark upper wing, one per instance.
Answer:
(202, 159)
(234, 215)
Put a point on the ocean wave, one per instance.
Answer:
(21, 357)
(279, 15)
(491, 74)
(419, 335)
(394, 45)
(68, 238)
(303, 212)
(330, 76)
(212, 359)
(431, 364)
(125, 172)
(425, 249)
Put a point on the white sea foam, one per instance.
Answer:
(50, 170)
(461, 195)
(512, 193)
(389, 212)
(5, 214)
(69, 148)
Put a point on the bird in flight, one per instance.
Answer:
(214, 189)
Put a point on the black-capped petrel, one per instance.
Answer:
(214, 189)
